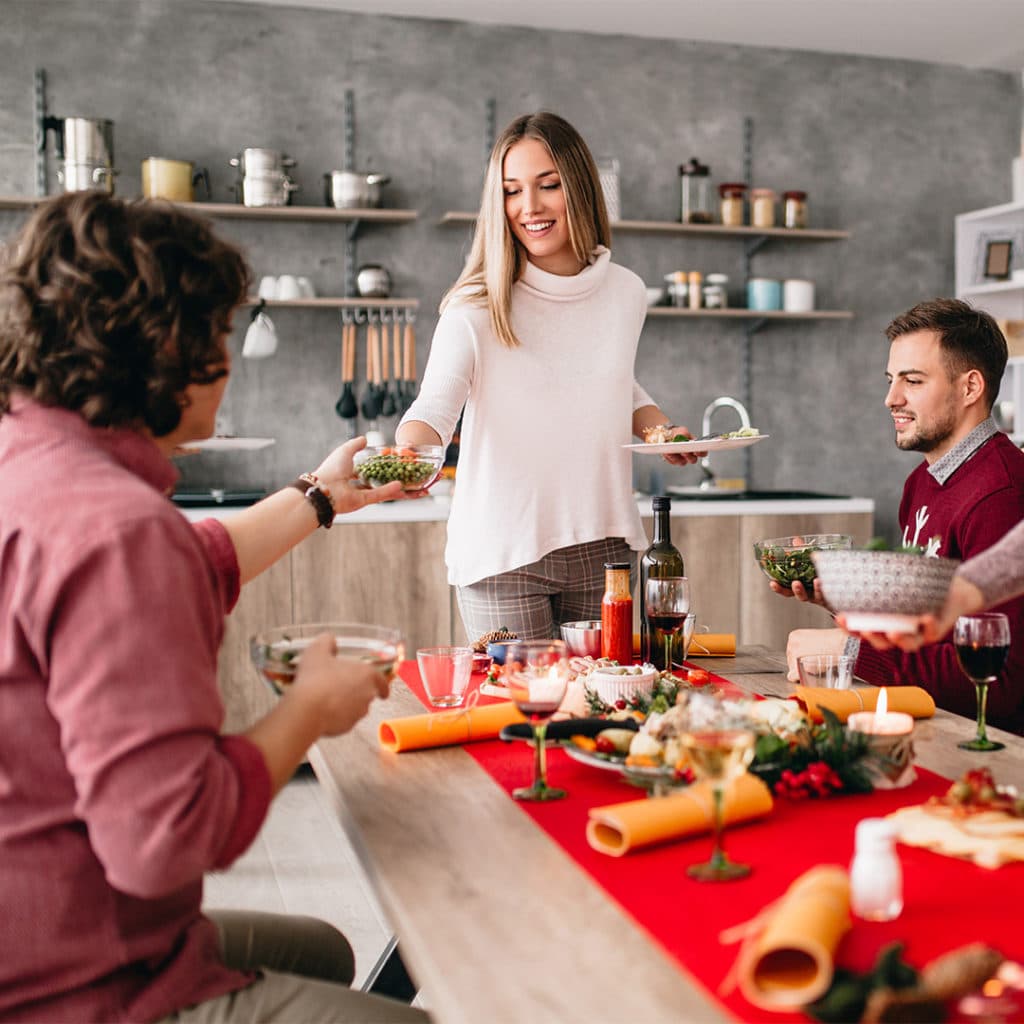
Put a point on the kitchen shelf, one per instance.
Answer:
(750, 314)
(237, 211)
(668, 227)
(334, 302)
(994, 288)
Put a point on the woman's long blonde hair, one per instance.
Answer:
(497, 259)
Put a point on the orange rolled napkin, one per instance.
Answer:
(618, 828)
(843, 703)
(445, 728)
(712, 645)
(788, 954)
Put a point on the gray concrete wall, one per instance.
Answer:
(889, 150)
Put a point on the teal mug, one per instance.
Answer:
(764, 294)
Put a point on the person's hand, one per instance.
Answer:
(811, 641)
(926, 631)
(337, 691)
(683, 458)
(337, 475)
(799, 591)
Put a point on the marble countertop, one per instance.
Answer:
(435, 509)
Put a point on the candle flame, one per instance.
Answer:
(883, 702)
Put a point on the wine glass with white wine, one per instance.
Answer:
(721, 746)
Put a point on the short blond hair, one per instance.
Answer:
(497, 258)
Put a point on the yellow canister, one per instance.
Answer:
(169, 179)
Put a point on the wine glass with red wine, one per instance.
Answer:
(537, 674)
(982, 643)
(667, 602)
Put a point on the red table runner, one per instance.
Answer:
(947, 902)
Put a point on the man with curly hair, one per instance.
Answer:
(117, 789)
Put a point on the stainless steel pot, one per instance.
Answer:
(272, 189)
(85, 148)
(373, 281)
(352, 190)
(262, 161)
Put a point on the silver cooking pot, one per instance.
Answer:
(350, 189)
(373, 281)
(262, 162)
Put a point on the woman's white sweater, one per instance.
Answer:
(541, 462)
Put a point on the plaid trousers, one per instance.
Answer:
(564, 586)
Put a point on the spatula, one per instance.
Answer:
(346, 406)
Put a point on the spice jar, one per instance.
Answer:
(695, 192)
(730, 203)
(715, 294)
(762, 208)
(794, 213)
(694, 289)
(617, 614)
(876, 879)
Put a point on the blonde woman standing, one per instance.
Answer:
(535, 347)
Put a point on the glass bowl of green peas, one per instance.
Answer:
(417, 466)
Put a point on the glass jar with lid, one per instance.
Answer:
(794, 209)
(762, 207)
(695, 192)
(715, 294)
(732, 196)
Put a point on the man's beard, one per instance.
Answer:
(928, 439)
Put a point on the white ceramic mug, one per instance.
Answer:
(260, 339)
(288, 287)
(306, 289)
(797, 295)
(268, 287)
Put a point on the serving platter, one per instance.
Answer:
(658, 779)
(713, 444)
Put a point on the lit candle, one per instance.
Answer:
(881, 721)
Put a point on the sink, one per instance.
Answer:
(695, 494)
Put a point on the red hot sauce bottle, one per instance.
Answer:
(617, 614)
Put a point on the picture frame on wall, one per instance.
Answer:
(997, 259)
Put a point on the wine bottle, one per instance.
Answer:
(660, 559)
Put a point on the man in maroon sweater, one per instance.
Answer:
(946, 360)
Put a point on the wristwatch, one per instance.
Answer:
(318, 496)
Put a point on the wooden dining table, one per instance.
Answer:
(495, 922)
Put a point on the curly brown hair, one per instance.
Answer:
(112, 309)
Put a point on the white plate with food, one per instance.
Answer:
(721, 443)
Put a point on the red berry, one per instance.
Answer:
(620, 704)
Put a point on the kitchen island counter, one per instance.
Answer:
(435, 508)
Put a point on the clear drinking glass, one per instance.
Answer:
(982, 643)
(667, 602)
(276, 652)
(537, 674)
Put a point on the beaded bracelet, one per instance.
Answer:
(318, 496)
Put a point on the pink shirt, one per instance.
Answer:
(117, 791)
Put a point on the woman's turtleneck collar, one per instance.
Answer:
(566, 289)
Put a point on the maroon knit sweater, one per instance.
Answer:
(975, 507)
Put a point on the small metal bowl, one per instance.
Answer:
(583, 638)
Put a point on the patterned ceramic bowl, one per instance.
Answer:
(883, 583)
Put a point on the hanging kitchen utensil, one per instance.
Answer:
(410, 363)
(346, 406)
(368, 405)
(387, 401)
(378, 385)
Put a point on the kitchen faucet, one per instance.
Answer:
(707, 482)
